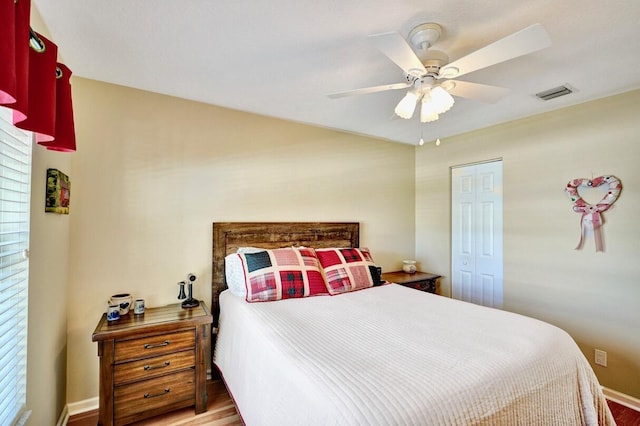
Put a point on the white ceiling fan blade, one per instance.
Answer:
(523, 42)
(395, 47)
(475, 91)
(367, 90)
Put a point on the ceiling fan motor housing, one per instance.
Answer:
(432, 68)
(422, 38)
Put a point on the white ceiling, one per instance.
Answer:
(280, 58)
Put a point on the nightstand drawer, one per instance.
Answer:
(423, 281)
(147, 395)
(428, 286)
(154, 345)
(153, 367)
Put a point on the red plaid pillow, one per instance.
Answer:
(282, 274)
(347, 269)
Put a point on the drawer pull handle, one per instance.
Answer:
(159, 345)
(148, 395)
(153, 367)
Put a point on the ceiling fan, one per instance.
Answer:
(429, 74)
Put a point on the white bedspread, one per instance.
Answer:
(391, 355)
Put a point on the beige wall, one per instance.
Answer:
(48, 298)
(48, 271)
(153, 172)
(593, 296)
(48, 301)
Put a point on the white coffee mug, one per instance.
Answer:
(138, 306)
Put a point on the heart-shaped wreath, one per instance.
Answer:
(591, 218)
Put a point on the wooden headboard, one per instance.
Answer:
(228, 236)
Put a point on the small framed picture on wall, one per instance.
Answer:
(58, 192)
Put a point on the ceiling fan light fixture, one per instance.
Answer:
(428, 118)
(427, 110)
(441, 99)
(407, 105)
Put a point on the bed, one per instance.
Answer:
(387, 354)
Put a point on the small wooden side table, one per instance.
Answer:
(152, 363)
(419, 280)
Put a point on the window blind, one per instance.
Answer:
(15, 190)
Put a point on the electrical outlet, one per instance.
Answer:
(601, 357)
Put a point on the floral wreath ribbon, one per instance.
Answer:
(591, 218)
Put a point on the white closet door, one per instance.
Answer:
(476, 233)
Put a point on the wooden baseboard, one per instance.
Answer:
(80, 413)
(64, 417)
(622, 399)
(84, 419)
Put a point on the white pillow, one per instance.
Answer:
(250, 250)
(234, 273)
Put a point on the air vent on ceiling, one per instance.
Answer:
(555, 92)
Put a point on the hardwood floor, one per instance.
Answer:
(222, 412)
(624, 416)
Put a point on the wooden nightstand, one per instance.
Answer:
(419, 280)
(152, 363)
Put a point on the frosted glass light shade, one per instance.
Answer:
(441, 99)
(427, 116)
(428, 111)
(407, 105)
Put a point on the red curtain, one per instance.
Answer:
(14, 54)
(41, 96)
(8, 53)
(65, 129)
(32, 83)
